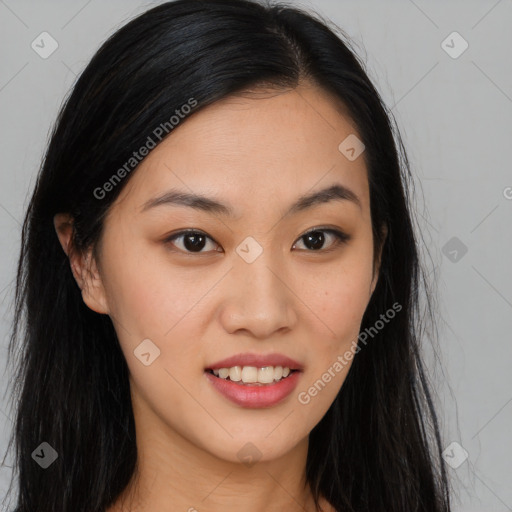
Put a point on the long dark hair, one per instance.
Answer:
(378, 447)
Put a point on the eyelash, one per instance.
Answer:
(341, 238)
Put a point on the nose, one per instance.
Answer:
(259, 300)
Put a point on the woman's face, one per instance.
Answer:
(248, 282)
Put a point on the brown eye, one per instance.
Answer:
(314, 240)
(194, 241)
(191, 241)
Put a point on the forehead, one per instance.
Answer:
(257, 147)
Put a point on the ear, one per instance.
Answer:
(83, 265)
(378, 258)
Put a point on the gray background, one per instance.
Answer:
(455, 116)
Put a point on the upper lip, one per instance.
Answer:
(257, 360)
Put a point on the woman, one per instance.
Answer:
(220, 280)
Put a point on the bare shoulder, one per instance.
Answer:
(325, 506)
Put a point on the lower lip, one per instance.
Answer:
(255, 397)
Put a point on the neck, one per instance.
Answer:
(173, 474)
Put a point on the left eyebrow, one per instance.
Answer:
(336, 192)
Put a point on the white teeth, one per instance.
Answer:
(223, 372)
(251, 374)
(235, 373)
(266, 375)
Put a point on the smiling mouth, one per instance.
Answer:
(253, 376)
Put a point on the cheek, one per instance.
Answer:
(148, 296)
(339, 295)
(338, 307)
(153, 301)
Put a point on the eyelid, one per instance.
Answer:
(327, 229)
